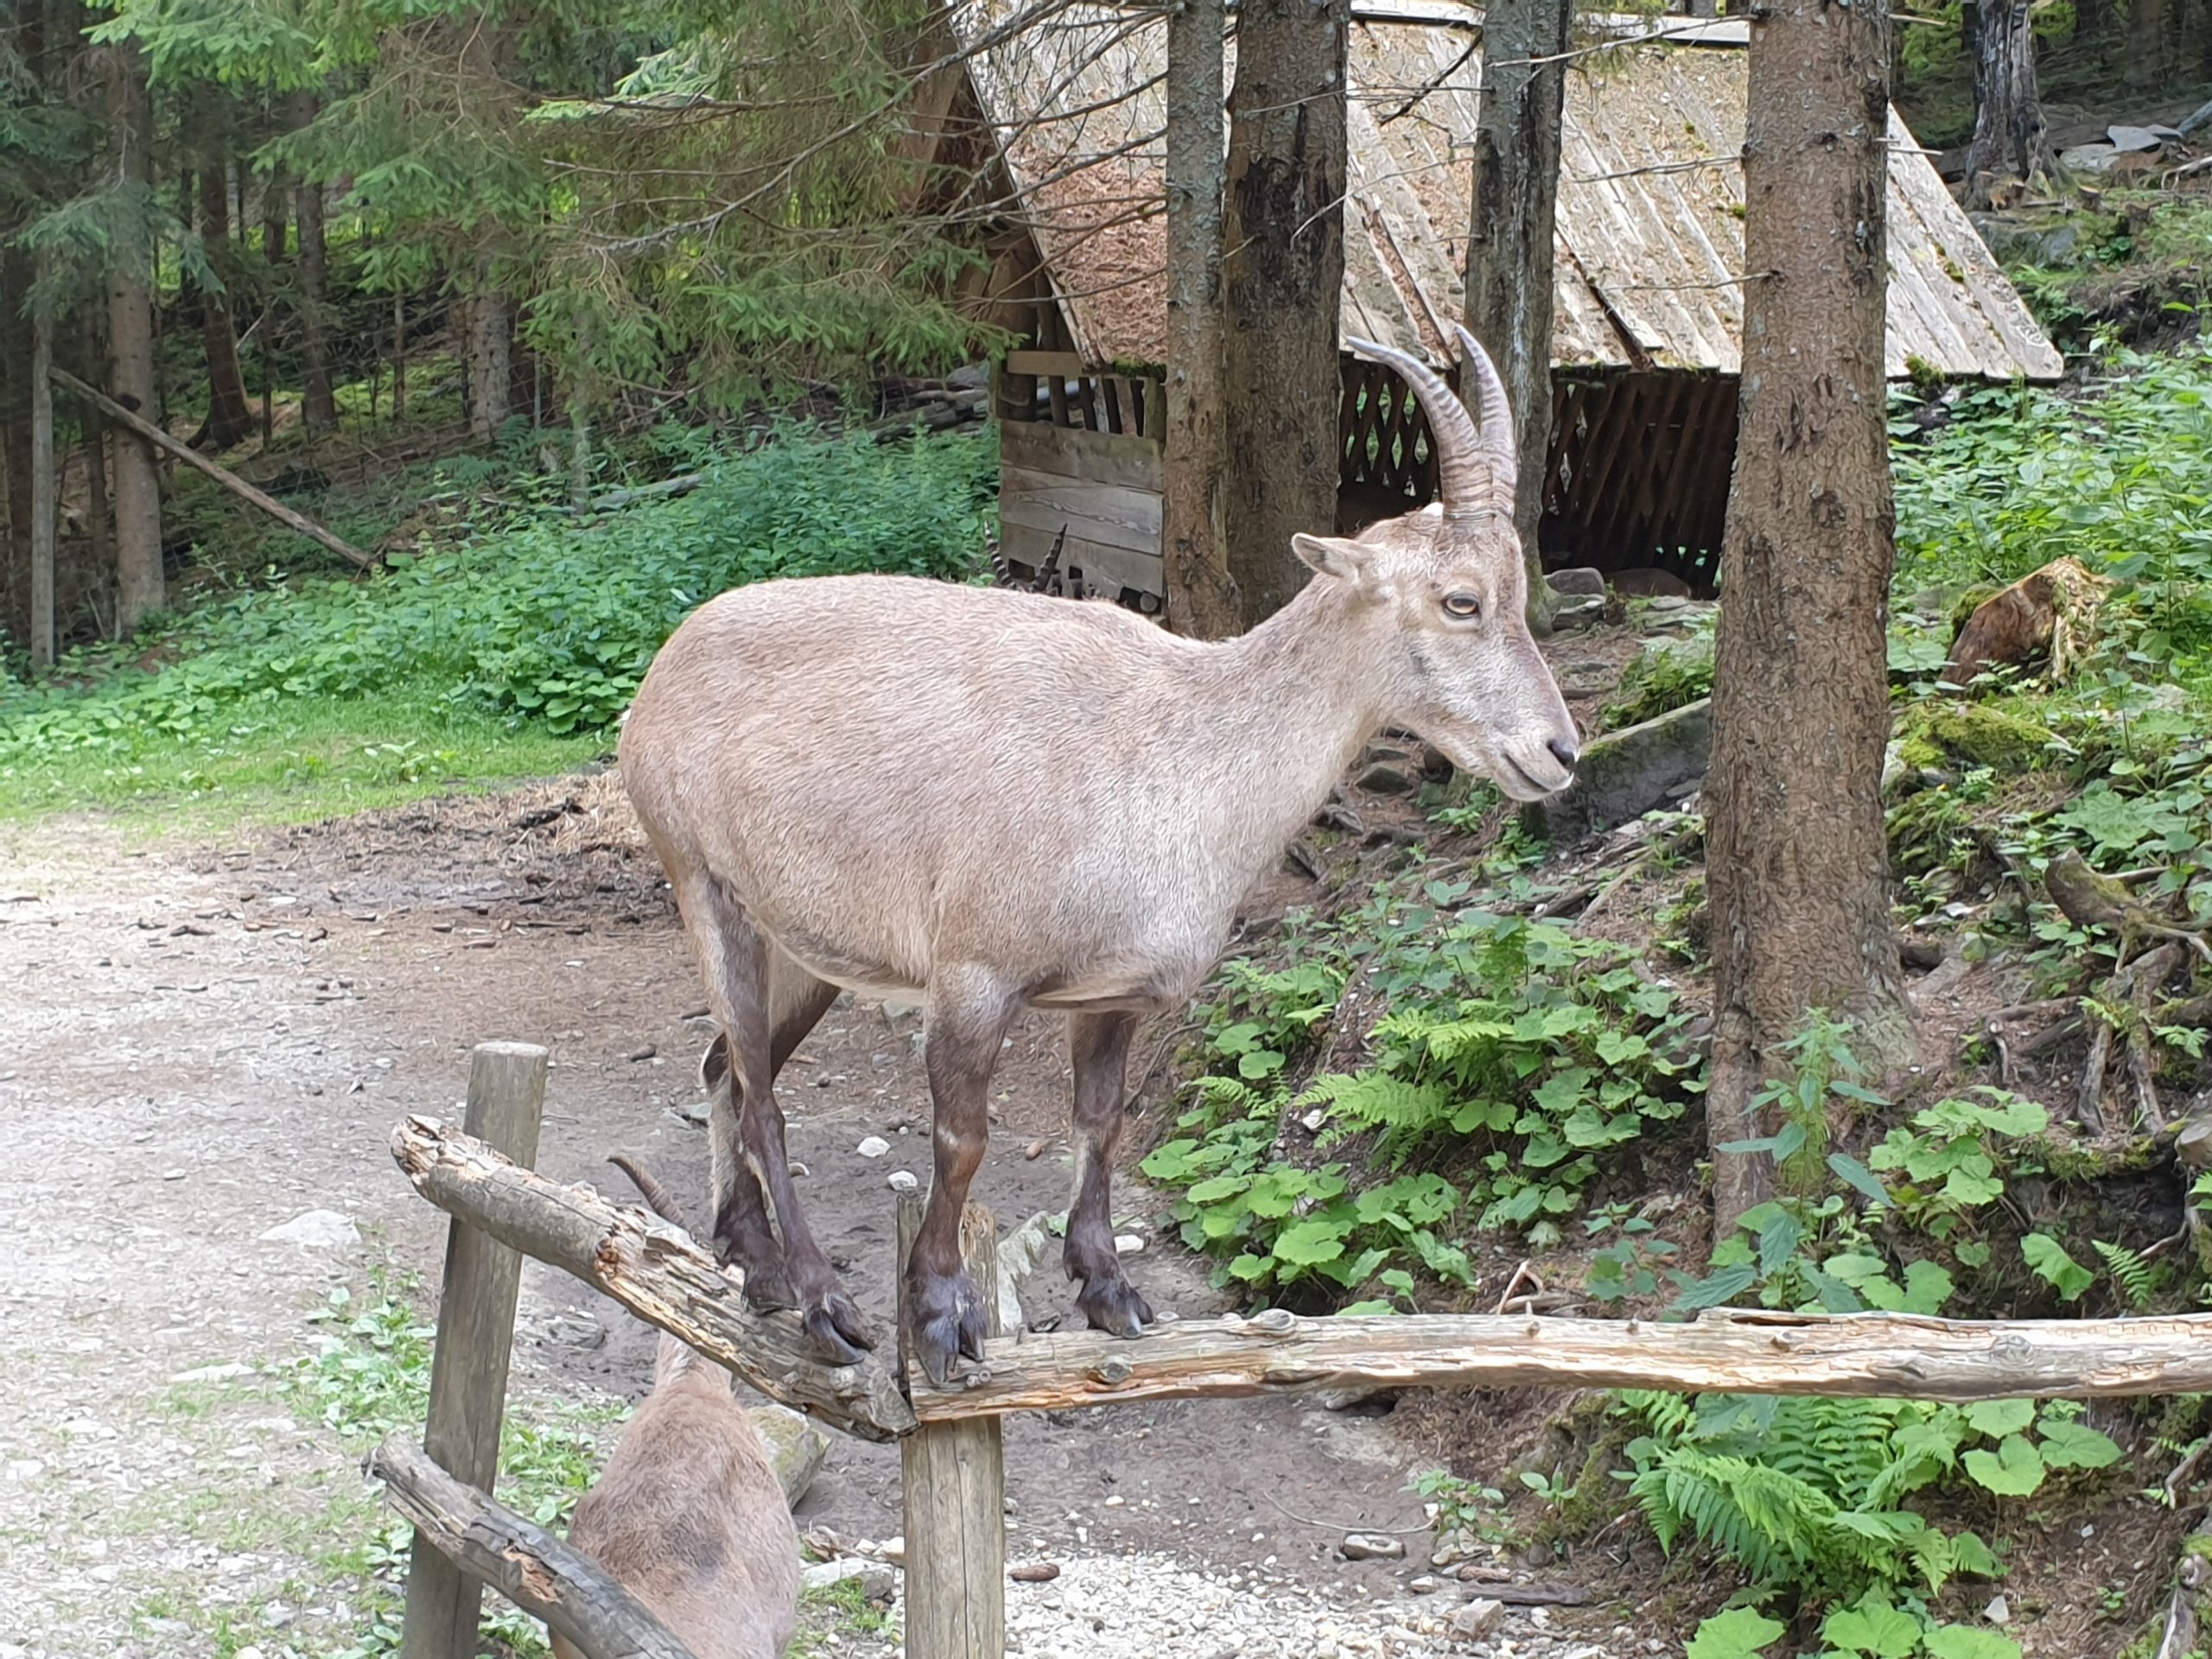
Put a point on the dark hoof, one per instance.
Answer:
(948, 1325)
(1113, 1305)
(826, 1334)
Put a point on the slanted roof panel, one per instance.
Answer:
(1649, 235)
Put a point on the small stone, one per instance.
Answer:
(2000, 1611)
(213, 1373)
(316, 1230)
(1424, 1586)
(874, 1147)
(901, 1180)
(1384, 778)
(820, 1576)
(1372, 1546)
(1476, 1619)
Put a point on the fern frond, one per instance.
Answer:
(2137, 1279)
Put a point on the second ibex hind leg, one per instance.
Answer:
(1098, 1045)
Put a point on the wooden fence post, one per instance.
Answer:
(953, 1478)
(469, 1368)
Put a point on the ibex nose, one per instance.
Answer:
(1564, 751)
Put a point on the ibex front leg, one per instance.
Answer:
(969, 1016)
(1098, 1045)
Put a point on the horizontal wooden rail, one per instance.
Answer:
(526, 1564)
(666, 1280)
(651, 1268)
(1882, 1355)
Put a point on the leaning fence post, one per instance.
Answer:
(469, 1368)
(953, 1476)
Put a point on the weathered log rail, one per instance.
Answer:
(652, 1269)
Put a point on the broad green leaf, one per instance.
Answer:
(1739, 1633)
(1968, 1642)
(2048, 1257)
(1997, 1418)
(2077, 1446)
(2014, 1469)
(1310, 1242)
(1873, 1629)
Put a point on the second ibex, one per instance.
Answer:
(835, 773)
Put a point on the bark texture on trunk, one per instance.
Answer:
(2012, 141)
(1509, 240)
(1283, 265)
(139, 588)
(1797, 858)
(15, 465)
(1202, 597)
(230, 417)
(318, 405)
(491, 364)
(2146, 42)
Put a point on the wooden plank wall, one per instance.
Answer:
(1639, 474)
(1104, 489)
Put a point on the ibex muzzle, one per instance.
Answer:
(990, 800)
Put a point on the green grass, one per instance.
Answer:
(294, 762)
(508, 653)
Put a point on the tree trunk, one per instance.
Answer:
(1283, 265)
(318, 406)
(138, 581)
(1510, 240)
(230, 417)
(2010, 140)
(491, 390)
(1202, 599)
(43, 496)
(15, 467)
(276, 217)
(1797, 865)
(2146, 42)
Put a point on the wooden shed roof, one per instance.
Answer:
(1651, 236)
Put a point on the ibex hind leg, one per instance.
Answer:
(1098, 1045)
(969, 1016)
(758, 998)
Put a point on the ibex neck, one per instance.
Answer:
(1294, 700)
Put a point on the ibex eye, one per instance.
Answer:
(1462, 604)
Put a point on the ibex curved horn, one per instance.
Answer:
(1497, 416)
(1466, 467)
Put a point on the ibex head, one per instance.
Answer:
(1444, 593)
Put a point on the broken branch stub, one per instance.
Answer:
(653, 1270)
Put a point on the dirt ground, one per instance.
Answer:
(196, 1047)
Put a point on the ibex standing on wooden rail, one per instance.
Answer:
(835, 772)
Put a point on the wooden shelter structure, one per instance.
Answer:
(1064, 110)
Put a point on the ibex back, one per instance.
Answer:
(985, 800)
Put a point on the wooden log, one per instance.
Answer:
(230, 480)
(526, 1564)
(1888, 1356)
(651, 1268)
(953, 1477)
(469, 1367)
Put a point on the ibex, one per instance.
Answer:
(986, 800)
(689, 1515)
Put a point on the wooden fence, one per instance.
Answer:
(952, 1458)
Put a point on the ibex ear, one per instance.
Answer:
(1334, 556)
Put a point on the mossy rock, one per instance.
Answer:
(1975, 734)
